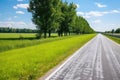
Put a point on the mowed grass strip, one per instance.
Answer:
(114, 39)
(15, 44)
(32, 62)
(17, 35)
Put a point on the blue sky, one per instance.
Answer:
(102, 15)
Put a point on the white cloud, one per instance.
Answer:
(115, 11)
(78, 6)
(80, 13)
(9, 18)
(96, 13)
(24, 6)
(19, 24)
(15, 16)
(109, 27)
(100, 5)
(15, 7)
(97, 21)
(20, 12)
(11, 23)
(19, 0)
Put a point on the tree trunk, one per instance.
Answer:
(45, 34)
(69, 33)
(49, 33)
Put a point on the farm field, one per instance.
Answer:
(17, 35)
(12, 40)
(31, 62)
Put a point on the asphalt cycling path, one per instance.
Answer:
(99, 59)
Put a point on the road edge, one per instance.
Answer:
(51, 72)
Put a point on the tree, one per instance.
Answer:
(68, 14)
(81, 26)
(55, 15)
(112, 31)
(117, 30)
(44, 14)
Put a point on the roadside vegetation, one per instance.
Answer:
(32, 62)
(114, 38)
(57, 16)
(16, 35)
(113, 31)
(10, 41)
(25, 57)
(16, 30)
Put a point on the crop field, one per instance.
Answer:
(31, 62)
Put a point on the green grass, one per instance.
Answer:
(32, 62)
(17, 35)
(13, 44)
(24, 35)
(114, 39)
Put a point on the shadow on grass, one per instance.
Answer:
(26, 38)
(30, 38)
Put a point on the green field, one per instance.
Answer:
(20, 43)
(30, 63)
(17, 35)
(114, 39)
(15, 44)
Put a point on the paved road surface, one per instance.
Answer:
(99, 59)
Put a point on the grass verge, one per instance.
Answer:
(32, 62)
(114, 39)
(15, 44)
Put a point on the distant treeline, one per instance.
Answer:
(114, 31)
(16, 30)
(117, 30)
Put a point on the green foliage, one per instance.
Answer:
(55, 15)
(81, 26)
(15, 30)
(20, 42)
(44, 14)
(113, 31)
(17, 35)
(117, 30)
(32, 62)
(114, 39)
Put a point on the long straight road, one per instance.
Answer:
(99, 59)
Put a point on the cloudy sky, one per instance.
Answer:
(102, 15)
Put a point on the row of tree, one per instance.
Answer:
(117, 30)
(13, 30)
(57, 16)
(114, 31)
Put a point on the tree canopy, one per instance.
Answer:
(57, 16)
(117, 30)
(114, 31)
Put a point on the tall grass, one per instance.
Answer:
(32, 62)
